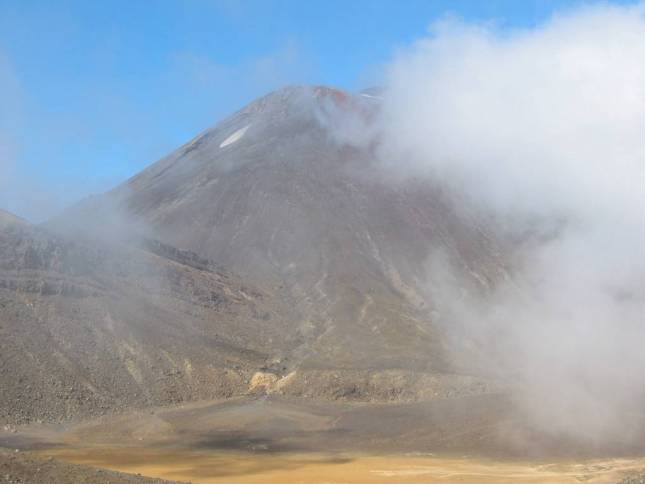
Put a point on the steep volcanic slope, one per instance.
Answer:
(88, 327)
(275, 194)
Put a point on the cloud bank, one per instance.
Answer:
(543, 131)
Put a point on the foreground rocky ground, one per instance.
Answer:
(637, 478)
(25, 468)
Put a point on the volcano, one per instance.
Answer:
(269, 254)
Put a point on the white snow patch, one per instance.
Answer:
(370, 96)
(234, 137)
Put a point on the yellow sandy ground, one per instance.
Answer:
(218, 467)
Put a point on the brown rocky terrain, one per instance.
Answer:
(89, 328)
(23, 468)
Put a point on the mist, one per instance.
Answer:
(540, 130)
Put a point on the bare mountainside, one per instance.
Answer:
(269, 254)
(281, 193)
(89, 328)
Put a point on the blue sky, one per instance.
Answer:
(93, 91)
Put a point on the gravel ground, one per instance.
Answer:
(635, 479)
(23, 468)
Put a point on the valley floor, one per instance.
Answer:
(272, 439)
(236, 467)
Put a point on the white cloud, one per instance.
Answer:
(541, 124)
(560, 108)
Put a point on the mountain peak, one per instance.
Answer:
(302, 98)
(292, 118)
